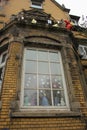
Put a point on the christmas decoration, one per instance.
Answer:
(68, 24)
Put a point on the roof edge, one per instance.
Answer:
(61, 7)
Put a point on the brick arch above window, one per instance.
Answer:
(42, 39)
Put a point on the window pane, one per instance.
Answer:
(36, 4)
(55, 68)
(3, 58)
(43, 67)
(0, 73)
(54, 56)
(58, 97)
(45, 98)
(30, 98)
(57, 82)
(43, 56)
(0, 78)
(31, 55)
(30, 81)
(44, 81)
(31, 67)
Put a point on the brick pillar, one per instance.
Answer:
(10, 82)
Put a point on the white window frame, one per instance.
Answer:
(2, 66)
(67, 107)
(82, 51)
(34, 5)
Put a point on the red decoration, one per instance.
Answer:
(68, 24)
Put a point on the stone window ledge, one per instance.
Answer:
(45, 114)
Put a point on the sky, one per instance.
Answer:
(77, 7)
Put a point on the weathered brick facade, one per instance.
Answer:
(14, 38)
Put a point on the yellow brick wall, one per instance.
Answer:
(10, 83)
(12, 7)
(9, 93)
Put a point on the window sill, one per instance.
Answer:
(49, 114)
(36, 8)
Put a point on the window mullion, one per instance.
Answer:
(0, 58)
(50, 79)
(23, 76)
(37, 82)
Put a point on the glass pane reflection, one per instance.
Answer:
(3, 58)
(55, 68)
(44, 81)
(57, 82)
(54, 56)
(30, 81)
(31, 55)
(45, 98)
(30, 98)
(43, 56)
(43, 67)
(31, 67)
(59, 99)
